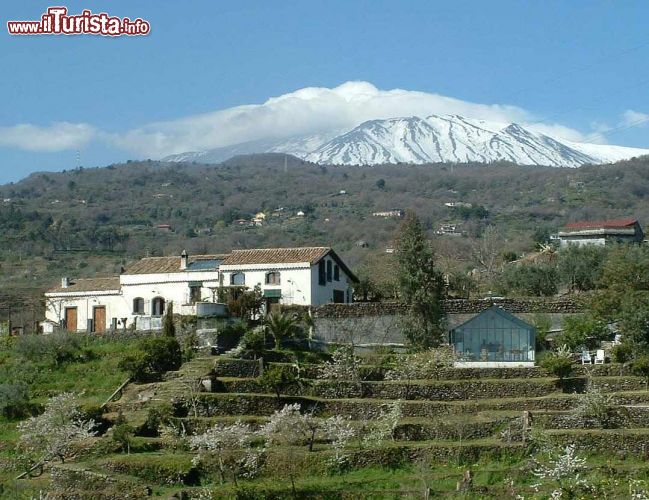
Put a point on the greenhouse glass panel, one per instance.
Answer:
(494, 335)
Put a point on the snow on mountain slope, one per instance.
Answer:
(607, 153)
(444, 139)
(297, 146)
(448, 138)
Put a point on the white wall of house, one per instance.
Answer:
(324, 294)
(298, 285)
(172, 287)
(566, 241)
(295, 284)
(85, 302)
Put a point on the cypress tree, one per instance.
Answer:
(421, 287)
(168, 326)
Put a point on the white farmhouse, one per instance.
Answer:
(601, 232)
(139, 296)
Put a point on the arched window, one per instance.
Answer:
(336, 272)
(158, 306)
(138, 305)
(329, 270)
(273, 278)
(238, 279)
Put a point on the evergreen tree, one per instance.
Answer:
(168, 326)
(421, 286)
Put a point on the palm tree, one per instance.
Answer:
(281, 326)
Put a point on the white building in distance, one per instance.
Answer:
(601, 232)
(138, 297)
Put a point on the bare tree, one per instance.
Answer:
(487, 251)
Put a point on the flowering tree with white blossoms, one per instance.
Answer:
(384, 425)
(344, 365)
(289, 426)
(563, 469)
(422, 365)
(54, 433)
(230, 446)
(340, 432)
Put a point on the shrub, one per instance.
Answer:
(582, 331)
(123, 434)
(597, 408)
(14, 400)
(189, 345)
(153, 356)
(623, 353)
(559, 366)
(156, 417)
(253, 343)
(277, 380)
(641, 368)
(231, 333)
(56, 348)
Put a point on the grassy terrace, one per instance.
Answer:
(447, 426)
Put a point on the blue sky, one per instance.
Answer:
(579, 64)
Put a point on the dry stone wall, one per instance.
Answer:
(378, 323)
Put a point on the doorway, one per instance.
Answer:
(71, 319)
(99, 319)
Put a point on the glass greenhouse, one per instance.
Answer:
(494, 336)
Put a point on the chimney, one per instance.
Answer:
(183, 260)
(65, 282)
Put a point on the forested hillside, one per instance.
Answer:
(88, 221)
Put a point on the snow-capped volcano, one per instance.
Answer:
(448, 138)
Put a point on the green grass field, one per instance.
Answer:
(431, 453)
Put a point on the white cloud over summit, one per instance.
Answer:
(305, 111)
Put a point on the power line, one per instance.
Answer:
(573, 108)
(626, 126)
(586, 67)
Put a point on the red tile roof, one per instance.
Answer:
(312, 255)
(155, 265)
(601, 224)
(276, 256)
(89, 285)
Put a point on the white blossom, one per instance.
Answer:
(340, 432)
(385, 424)
(568, 464)
(638, 489)
(231, 446)
(422, 365)
(290, 426)
(343, 366)
(54, 433)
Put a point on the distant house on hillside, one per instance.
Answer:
(494, 338)
(139, 296)
(449, 230)
(457, 204)
(601, 232)
(163, 227)
(387, 214)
